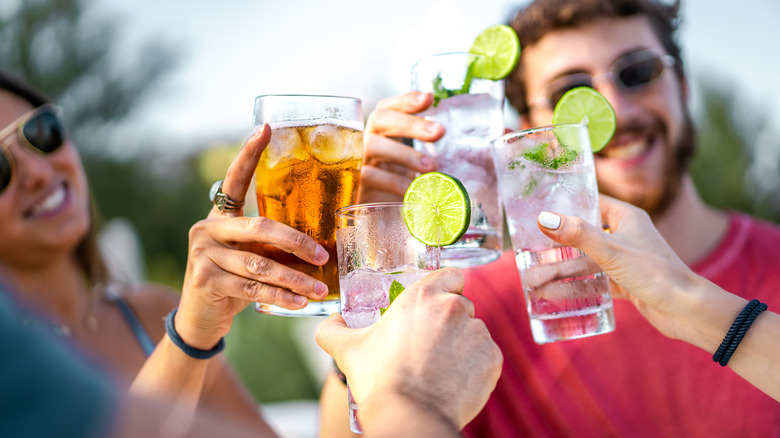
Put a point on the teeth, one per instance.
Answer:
(51, 203)
(627, 150)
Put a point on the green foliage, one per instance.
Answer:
(265, 354)
(736, 162)
(73, 58)
(162, 200)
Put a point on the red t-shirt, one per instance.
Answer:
(633, 382)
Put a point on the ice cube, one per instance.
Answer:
(328, 144)
(284, 149)
(361, 318)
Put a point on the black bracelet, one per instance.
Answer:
(190, 351)
(737, 331)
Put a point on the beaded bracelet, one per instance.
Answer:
(193, 352)
(737, 331)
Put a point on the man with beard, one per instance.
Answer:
(632, 382)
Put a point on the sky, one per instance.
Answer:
(235, 50)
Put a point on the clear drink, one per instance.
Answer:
(374, 250)
(472, 120)
(551, 169)
(366, 292)
(310, 169)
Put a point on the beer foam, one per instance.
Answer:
(349, 124)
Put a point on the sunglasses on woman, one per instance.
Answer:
(631, 73)
(40, 130)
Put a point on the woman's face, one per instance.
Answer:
(44, 211)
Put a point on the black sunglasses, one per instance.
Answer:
(631, 72)
(40, 130)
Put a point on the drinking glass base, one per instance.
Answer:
(588, 322)
(464, 257)
(314, 308)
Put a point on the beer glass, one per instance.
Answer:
(309, 170)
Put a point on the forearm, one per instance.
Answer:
(334, 409)
(711, 312)
(171, 374)
(392, 415)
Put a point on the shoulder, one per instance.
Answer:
(150, 303)
(759, 227)
(750, 234)
(745, 262)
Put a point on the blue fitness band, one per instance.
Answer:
(188, 350)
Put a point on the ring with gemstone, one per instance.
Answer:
(221, 200)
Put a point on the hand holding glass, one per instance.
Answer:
(376, 251)
(551, 168)
(309, 170)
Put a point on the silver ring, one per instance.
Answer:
(221, 200)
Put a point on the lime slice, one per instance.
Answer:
(588, 106)
(437, 209)
(499, 50)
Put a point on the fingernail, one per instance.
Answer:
(420, 98)
(426, 161)
(299, 300)
(321, 254)
(321, 289)
(432, 128)
(549, 220)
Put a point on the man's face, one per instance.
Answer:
(638, 165)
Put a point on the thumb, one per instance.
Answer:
(332, 332)
(572, 231)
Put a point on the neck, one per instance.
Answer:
(692, 228)
(59, 289)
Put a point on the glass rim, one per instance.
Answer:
(524, 132)
(371, 206)
(308, 96)
(442, 55)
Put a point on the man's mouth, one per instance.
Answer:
(629, 148)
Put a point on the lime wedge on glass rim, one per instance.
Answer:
(587, 106)
(437, 209)
(499, 49)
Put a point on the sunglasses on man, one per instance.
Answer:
(631, 73)
(40, 130)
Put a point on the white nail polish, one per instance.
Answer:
(549, 220)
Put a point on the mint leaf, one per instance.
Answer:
(395, 289)
(552, 159)
(440, 93)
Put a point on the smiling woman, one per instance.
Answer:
(48, 251)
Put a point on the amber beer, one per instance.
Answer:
(309, 170)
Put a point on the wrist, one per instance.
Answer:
(396, 413)
(190, 350)
(706, 313)
(203, 338)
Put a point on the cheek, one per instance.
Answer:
(670, 106)
(69, 163)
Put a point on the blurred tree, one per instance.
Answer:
(737, 161)
(71, 55)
